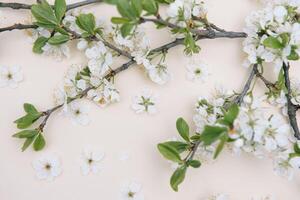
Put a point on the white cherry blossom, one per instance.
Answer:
(91, 161)
(47, 167)
(145, 102)
(10, 76)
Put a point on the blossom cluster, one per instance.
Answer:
(256, 130)
(273, 34)
(183, 12)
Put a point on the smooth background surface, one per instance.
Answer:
(117, 128)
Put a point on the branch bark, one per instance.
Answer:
(18, 6)
(18, 27)
(209, 34)
(292, 109)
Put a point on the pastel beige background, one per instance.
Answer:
(117, 128)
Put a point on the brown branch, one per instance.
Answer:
(209, 34)
(239, 99)
(292, 109)
(76, 35)
(18, 27)
(18, 6)
(267, 83)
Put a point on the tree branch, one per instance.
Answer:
(209, 34)
(292, 109)
(18, 6)
(18, 27)
(238, 100)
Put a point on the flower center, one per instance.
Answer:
(47, 166)
(90, 161)
(9, 76)
(77, 112)
(198, 71)
(146, 102)
(131, 194)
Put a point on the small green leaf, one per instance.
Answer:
(273, 43)
(27, 143)
(27, 120)
(179, 146)
(39, 44)
(119, 20)
(137, 7)
(196, 137)
(183, 129)
(86, 22)
(43, 13)
(294, 55)
(126, 29)
(194, 163)
(39, 142)
(221, 145)
(212, 134)
(30, 109)
(150, 6)
(26, 134)
(60, 8)
(58, 39)
(126, 10)
(231, 114)
(296, 148)
(178, 177)
(169, 152)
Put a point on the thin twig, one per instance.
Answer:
(18, 27)
(209, 34)
(238, 100)
(76, 35)
(18, 6)
(292, 109)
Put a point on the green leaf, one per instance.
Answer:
(137, 7)
(150, 6)
(60, 8)
(183, 129)
(119, 20)
(30, 109)
(169, 152)
(43, 13)
(86, 22)
(178, 177)
(294, 55)
(212, 134)
(196, 137)
(126, 29)
(194, 163)
(296, 148)
(27, 143)
(26, 134)
(221, 145)
(39, 44)
(126, 10)
(39, 142)
(58, 39)
(273, 43)
(179, 146)
(231, 114)
(27, 120)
